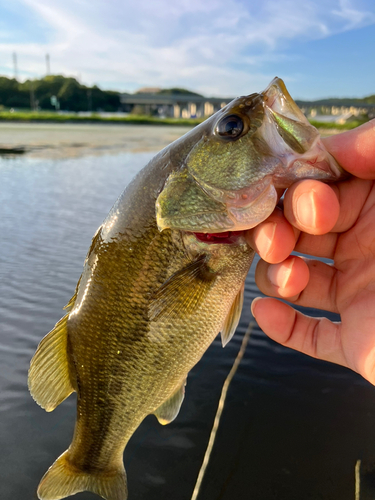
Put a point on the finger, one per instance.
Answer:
(316, 337)
(284, 280)
(317, 208)
(354, 150)
(304, 282)
(352, 195)
(312, 207)
(273, 239)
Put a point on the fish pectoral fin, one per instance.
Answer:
(233, 317)
(168, 411)
(51, 374)
(184, 291)
(64, 479)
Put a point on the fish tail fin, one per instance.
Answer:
(64, 479)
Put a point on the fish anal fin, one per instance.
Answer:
(63, 479)
(168, 411)
(51, 373)
(232, 319)
(184, 291)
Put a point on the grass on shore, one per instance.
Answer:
(42, 116)
(338, 126)
(45, 116)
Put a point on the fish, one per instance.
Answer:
(164, 275)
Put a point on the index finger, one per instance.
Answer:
(355, 150)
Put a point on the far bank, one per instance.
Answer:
(52, 117)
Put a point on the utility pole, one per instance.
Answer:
(48, 64)
(89, 99)
(15, 65)
(32, 96)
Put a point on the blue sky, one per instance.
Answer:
(321, 48)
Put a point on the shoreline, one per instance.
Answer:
(18, 117)
(45, 117)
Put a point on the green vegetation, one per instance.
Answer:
(70, 95)
(338, 126)
(67, 94)
(42, 116)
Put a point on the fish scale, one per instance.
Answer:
(153, 349)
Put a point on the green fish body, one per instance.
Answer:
(164, 275)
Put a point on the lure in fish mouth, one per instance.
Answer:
(249, 149)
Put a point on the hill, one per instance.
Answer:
(339, 101)
(178, 91)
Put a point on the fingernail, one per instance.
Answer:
(253, 305)
(265, 238)
(306, 210)
(279, 274)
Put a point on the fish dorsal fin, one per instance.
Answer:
(184, 291)
(232, 318)
(69, 306)
(50, 374)
(168, 411)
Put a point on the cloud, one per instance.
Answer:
(353, 16)
(215, 46)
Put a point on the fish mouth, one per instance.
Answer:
(277, 98)
(227, 237)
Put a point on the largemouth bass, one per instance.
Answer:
(164, 275)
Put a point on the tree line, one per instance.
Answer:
(56, 92)
(66, 93)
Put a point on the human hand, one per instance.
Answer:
(335, 221)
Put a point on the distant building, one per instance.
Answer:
(339, 119)
(153, 101)
(336, 114)
(172, 105)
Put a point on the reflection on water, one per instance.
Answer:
(292, 427)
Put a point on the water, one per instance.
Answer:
(292, 427)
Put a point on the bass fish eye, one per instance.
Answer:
(230, 127)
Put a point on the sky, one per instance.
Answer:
(321, 48)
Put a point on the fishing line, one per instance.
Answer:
(220, 408)
(357, 473)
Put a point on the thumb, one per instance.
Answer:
(355, 150)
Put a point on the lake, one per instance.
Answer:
(292, 428)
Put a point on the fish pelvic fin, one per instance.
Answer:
(64, 479)
(51, 374)
(233, 318)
